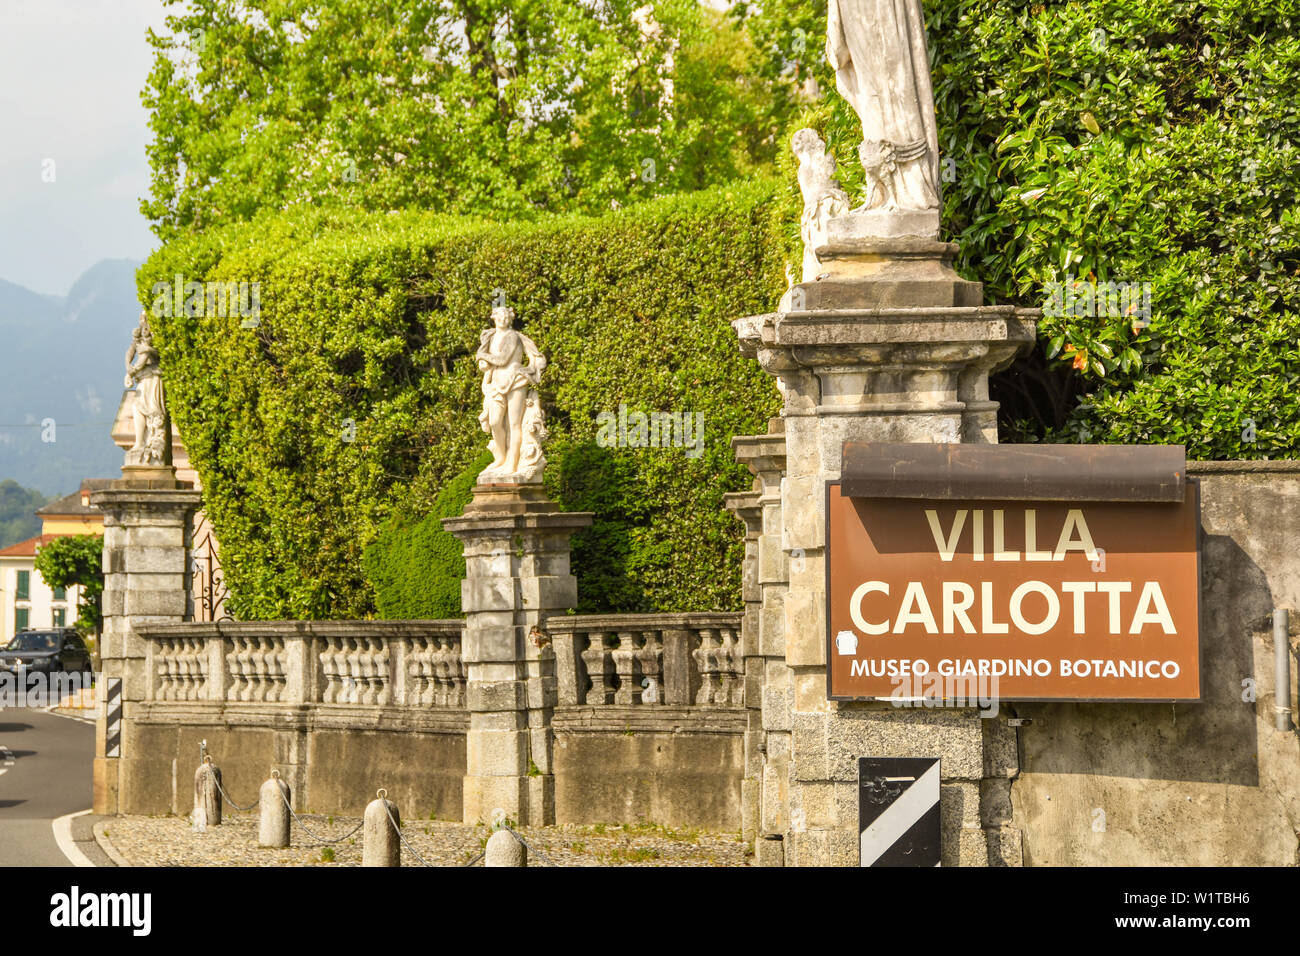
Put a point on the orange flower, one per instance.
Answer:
(1081, 360)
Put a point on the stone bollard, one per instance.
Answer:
(504, 850)
(207, 796)
(381, 844)
(273, 802)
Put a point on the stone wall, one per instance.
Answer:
(1210, 783)
(650, 719)
(693, 719)
(340, 708)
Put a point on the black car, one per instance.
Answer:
(46, 650)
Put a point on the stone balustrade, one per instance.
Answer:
(674, 660)
(364, 663)
(647, 708)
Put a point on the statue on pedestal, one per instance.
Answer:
(512, 409)
(878, 51)
(149, 413)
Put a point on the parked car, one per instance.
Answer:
(46, 649)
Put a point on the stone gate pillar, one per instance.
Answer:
(516, 574)
(768, 689)
(887, 344)
(147, 528)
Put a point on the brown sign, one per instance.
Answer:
(1035, 600)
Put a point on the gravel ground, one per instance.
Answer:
(172, 841)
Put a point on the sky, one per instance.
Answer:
(71, 72)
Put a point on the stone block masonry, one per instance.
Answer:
(516, 575)
(887, 345)
(146, 560)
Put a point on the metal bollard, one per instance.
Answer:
(381, 844)
(207, 795)
(504, 850)
(273, 822)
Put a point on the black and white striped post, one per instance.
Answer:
(113, 717)
(898, 811)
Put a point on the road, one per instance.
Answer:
(45, 773)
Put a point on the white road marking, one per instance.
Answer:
(54, 713)
(63, 837)
(6, 760)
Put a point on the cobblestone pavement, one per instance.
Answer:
(172, 841)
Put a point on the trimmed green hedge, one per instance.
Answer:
(415, 566)
(355, 399)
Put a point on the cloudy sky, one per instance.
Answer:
(71, 72)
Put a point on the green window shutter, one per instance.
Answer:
(60, 594)
(20, 618)
(24, 590)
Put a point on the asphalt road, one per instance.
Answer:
(45, 773)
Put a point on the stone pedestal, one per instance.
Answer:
(890, 344)
(516, 575)
(147, 526)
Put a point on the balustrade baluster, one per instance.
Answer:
(596, 659)
(624, 658)
(706, 660)
(650, 659)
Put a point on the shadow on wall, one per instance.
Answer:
(1215, 741)
(586, 477)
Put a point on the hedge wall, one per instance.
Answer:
(355, 398)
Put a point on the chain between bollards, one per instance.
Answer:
(225, 796)
(275, 775)
(524, 843)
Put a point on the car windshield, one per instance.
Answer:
(34, 642)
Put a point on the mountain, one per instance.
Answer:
(18, 505)
(61, 360)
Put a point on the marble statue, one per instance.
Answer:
(878, 51)
(149, 413)
(512, 409)
(823, 199)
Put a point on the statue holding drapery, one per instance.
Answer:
(149, 413)
(512, 409)
(878, 51)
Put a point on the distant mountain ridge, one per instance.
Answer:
(62, 360)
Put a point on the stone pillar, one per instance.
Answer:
(147, 527)
(765, 652)
(744, 504)
(889, 345)
(516, 575)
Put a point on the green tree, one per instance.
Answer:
(76, 560)
(18, 506)
(511, 108)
